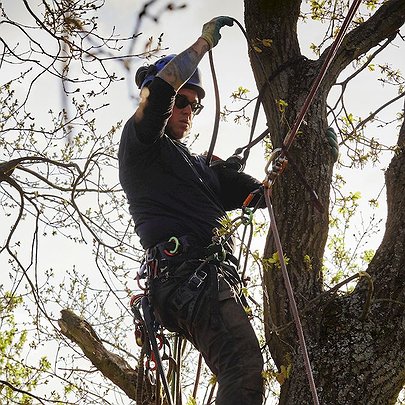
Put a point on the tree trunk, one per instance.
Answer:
(355, 342)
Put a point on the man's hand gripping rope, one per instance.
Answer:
(210, 31)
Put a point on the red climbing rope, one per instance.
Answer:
(277, 169)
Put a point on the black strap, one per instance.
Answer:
(207, 189)
(149, 321)
(188, 251)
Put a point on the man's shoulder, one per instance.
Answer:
(130, 137)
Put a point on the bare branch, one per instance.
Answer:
(385, 23)
(112, 366)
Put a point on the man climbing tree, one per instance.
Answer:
(176, 201)
(355, 339)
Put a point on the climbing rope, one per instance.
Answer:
(217, 110)
(275, 172)
(278, 164)
(151, 343)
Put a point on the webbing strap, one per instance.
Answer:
(147, 313)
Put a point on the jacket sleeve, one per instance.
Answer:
(235, 187)
(154, 111)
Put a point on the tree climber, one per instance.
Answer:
(177, 201)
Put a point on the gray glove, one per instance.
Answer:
(210, 30)
(333, 142)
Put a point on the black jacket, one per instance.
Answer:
(170, 191)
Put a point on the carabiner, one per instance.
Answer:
(247, 217)
(151, 363)
(172, 252)
(271, 159)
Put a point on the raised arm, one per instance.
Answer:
(160, 82)
(180, 69)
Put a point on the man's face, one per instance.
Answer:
(179, 124)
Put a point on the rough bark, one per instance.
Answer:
(303, 229)
(355, 342)
(112, 366)
(385, 23)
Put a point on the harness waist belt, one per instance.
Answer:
(177, 250)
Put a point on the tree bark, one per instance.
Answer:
(303, 229)
(355, 341)
(112, 366)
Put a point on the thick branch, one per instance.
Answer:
(387, 266)
(386, 21)
(114, 367)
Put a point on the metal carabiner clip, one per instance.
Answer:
(272, 157)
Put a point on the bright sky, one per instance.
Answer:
(181, 28)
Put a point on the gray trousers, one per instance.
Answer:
(213, 319)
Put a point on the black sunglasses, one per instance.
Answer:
(181, 101)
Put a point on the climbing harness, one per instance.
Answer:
(149, 334)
